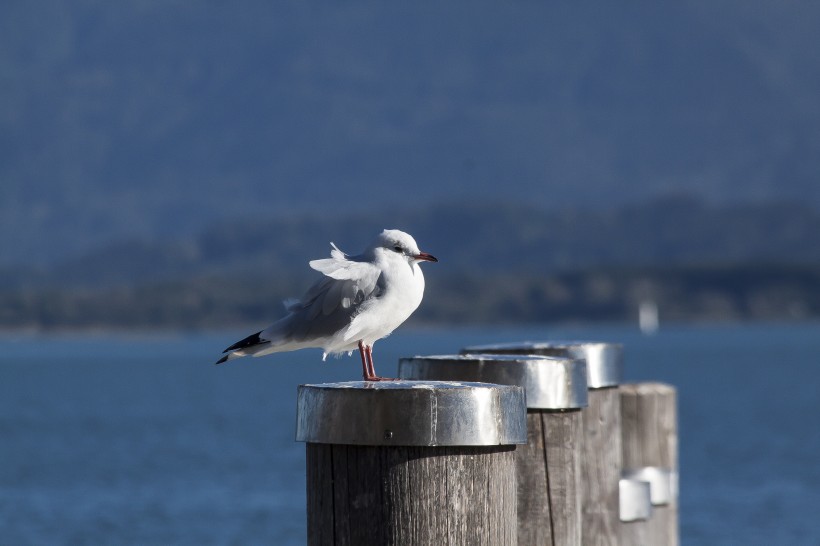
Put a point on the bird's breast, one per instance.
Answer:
(403, 291)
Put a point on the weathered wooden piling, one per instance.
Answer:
(650, 452)
(548, 467)
(409, 462)
(601, 423)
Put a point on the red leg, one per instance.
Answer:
(368, 350)
(372, 368)
(365, 363)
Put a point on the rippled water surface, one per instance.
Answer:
(141, 440)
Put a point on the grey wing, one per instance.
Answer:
(330, 305)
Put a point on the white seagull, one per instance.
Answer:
(360, 300)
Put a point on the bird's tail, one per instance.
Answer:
(251, 344)
(226, 358)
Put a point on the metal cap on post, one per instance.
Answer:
(550, 382)
(410, 413)
(392, 462)
(604, 360)
(601, 450)
(548, 467)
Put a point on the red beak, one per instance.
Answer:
(426, 257)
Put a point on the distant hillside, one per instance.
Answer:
(682, 293)
(150, 120)
(497, 264)
(477, 239)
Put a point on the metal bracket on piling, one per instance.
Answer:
(663, 483)
(635, 500)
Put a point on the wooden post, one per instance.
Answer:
(407, 462)
(601, 468)
(548, 467)
(549, 474)
(601, 429)
(650, 452)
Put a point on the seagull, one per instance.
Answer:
(360, 300)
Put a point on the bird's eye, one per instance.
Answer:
(398, 248)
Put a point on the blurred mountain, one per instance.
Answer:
(470, 240)
(497, 263)
(149, 120)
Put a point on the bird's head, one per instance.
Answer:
(399, 242)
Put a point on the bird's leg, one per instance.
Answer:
(371, 375)
(371, 369)
(365, 365)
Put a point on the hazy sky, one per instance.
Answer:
(159, 118)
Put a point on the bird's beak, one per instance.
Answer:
(425, 257)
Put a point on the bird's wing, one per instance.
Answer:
(330, 304)
(340, 267)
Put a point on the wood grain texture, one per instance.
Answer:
(548, 472)
(360, 495)
(650, 425)
(563, 433)
(534, 524)
(636, 533)
(601, 463)
(649, 428)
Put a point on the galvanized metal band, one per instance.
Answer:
(411, 413)
(635, 500)
(604, 360)
(556, 383)
(663, 482)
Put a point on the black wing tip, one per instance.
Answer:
(249, 341)
(222, 360)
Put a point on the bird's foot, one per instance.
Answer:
(377, 378)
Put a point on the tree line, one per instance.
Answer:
(682, 293)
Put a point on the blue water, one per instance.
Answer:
(140, 440)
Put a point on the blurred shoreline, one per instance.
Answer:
(687, 294)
